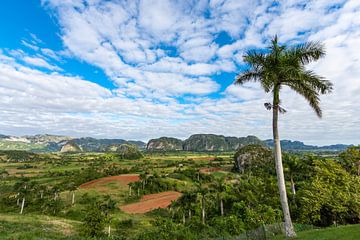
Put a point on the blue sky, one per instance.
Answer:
(144, 69)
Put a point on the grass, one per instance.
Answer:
(29, 226)
(348, 232)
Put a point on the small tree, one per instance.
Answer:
(93, 222)
(350, 158)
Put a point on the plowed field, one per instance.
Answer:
(151, 202)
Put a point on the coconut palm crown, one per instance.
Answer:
(285, 66)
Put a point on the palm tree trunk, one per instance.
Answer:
(22, 206)
(73, 198)
(289, 229)
(293, 190)
(221, 207)
(203, 210)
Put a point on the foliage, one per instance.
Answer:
(350, 159)
(331, 197)
(128, 151)
(251, 158)
(250, 200)
(94, 221)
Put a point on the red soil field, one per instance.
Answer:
(151, 202)
(122, 179)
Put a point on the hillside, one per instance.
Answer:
(89, 144)
(201, 143)
(165, 144)
(55, 143)
(195, 143)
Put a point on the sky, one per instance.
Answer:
(143, 69)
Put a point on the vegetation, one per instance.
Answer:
(348, 232)
(219, 203)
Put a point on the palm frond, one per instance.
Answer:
(317, 82)
(247, 76)
(309, 93)
(255, 59)
(307, 52)
(282, 110)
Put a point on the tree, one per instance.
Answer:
(351, 159)
(293, 166)
(202, 191)
(331, 197)
(93, 222)
(107, 206)
(186, 201)
(23, 189)
(219, 185)
(275, 68)
(72, 188)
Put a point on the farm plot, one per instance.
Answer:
(105, 183)
(151, 202)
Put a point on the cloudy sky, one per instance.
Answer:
(142, 69)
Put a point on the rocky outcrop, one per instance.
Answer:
(211, 142)
(252, 157)
(89, 144)
(201, 143)
(126, 151)
(47, 138)
(70, 147)
(165, 144)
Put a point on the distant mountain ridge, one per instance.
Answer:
(196, 143)
(55, 143)
(288, 145)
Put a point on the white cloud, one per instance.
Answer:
(39, 62)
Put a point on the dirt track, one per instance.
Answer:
(151, 202)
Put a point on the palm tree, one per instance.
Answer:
(293, 166)
(219, 186)
(282, 66)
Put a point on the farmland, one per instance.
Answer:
(196, 195)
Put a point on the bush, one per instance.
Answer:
(93, 222)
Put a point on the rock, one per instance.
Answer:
(165, 144)
(252, 157)
(126, 151)
(70, 147)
